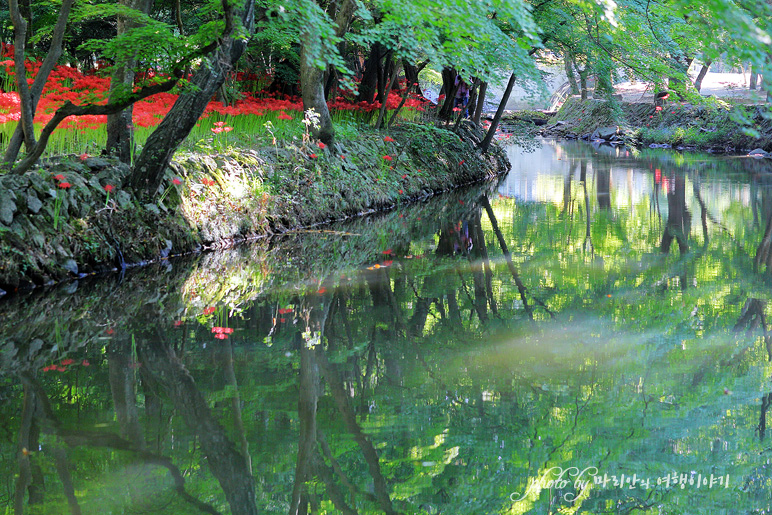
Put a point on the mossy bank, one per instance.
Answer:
(59, 220)
(713, 125)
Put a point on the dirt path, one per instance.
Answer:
(729, 86)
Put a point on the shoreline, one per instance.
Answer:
(211, 202)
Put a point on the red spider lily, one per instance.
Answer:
(320, 145)
(461, 202)
(61, 369)
(207, 182)
(85, 363)
(222, 330)
(176, 181)
(342, 156)
(388, 252)
(658, 108)
(59, 177)
(67, 362)
(84, 156)
(321, 290)
(64, 185)
(284, 116)
(387, 262)
(282, 320)
(404, 176)
(109, 188)
(178, 323)
(388, 139)
(109, 330)
(284, 311)
(401, 192)
(209, 310)
(461, 162)
(387, 158)
(312, 156)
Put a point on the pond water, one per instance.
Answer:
(590, 335)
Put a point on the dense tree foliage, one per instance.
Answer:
(320, 50)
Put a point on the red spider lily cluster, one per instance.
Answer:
(209, 310)
(207, 182)
(221, 127)
(66, 83)
(62, 183)
(62, 366)
(221, 333)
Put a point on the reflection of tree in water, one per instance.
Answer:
(679, 220)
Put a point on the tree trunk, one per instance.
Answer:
(568, 64)
(411, 75)
(120, 134)
(450, 87)
(369, 83)
(583, 83)
(311, 76)
(754, 79)
(29, 96)
(486, 143)
(312, 90)
(701, 76)
(480, 103)
(182, 117)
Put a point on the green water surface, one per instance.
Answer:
(590, 335)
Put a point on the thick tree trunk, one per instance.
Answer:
(120, 134)
(312, 89)
(312, 77)
(486, 143)
(450, 87)
(478, 109)
(569, 67)
(182, 117)
(583, 84)
(701, 76)
(369, 83)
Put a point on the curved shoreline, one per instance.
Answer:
(219, 201)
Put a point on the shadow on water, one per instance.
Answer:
(591, 334)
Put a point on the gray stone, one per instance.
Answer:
(71, 266)
(96, 163)
(153, 208)
(33, 203)
(7, 206)
(123, 199)
(605, 133)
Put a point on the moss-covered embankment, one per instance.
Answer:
(713, 125)
(48, 233)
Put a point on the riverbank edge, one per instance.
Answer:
(59, 220)
(713, 126)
